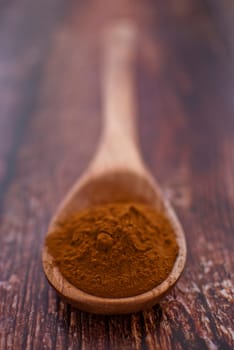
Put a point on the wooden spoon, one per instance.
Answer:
(116, 173)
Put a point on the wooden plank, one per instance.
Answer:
(50, 123)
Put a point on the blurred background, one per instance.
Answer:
(50, 122)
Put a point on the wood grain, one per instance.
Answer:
(49, 127)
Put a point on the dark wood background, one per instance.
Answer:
(50, 120)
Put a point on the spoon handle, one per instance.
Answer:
(119, 138)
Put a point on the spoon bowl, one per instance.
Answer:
(90, 192)
(116, 174)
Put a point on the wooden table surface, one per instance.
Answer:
(50, 120)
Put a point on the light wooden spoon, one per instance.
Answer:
(117, 173)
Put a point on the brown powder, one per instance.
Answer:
(116, 250)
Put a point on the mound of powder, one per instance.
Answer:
(115, 250)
